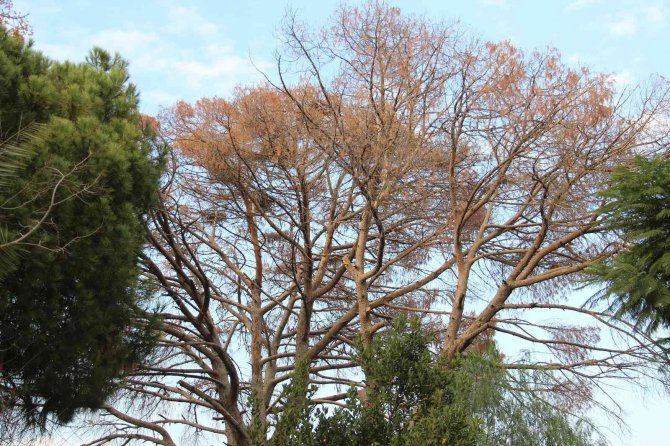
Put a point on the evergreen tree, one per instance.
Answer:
(638, 279)
(13, 155)
(413, 398)
(87, 177)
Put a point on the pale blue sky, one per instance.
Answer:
(186, 50)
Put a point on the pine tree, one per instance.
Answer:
(68, 301)
(638, 279)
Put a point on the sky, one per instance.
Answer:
(188, 50)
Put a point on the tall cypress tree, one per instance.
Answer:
(68, 301)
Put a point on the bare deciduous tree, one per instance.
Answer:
(397, 167)
(13, 20)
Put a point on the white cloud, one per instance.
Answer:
(574, 58)
(156, 99)
(185, 19)
(129, 43)
(625, 25)
(165, 63)
(649, 17)
(61, 51)
(218, 68)
(196, 71)
(654, 15)
(622, 79)
(580, 4)
(126, 42)
(498, 3)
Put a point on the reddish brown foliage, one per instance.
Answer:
(13, 20)
(406, 169)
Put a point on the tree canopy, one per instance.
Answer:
(392, 166)
(417, 400)
(392, 169)
(637, 280)
(71, 212)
